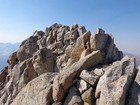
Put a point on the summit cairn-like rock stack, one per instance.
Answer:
(69, 66)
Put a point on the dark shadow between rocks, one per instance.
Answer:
(133, 95)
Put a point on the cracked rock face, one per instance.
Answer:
(68, 65)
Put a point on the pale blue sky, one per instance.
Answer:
(20, 18)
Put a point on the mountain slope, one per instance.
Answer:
(68, 65)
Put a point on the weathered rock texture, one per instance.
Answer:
(69, 66)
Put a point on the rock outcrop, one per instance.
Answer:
(69, 66)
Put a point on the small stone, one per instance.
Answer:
(88, 96)
(91, 79)
(82, 86)
(98, 72)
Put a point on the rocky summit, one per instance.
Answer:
(68, 65)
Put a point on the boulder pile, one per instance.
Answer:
(68, 65)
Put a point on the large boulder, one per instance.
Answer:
(27, 75)
(43, 61)
(16, 79)
(111, 52)
(23, 70)
(105, 43)
(113, 85)
(37, 92)
(98, 41)
(27, 48)
(81, 45)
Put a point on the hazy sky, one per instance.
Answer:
(20, 18)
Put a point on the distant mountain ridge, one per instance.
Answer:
(5, 50)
